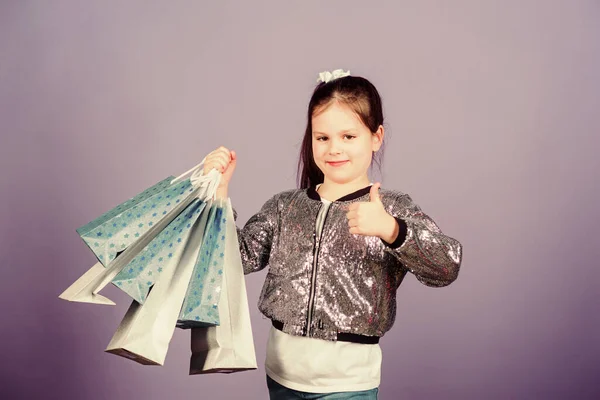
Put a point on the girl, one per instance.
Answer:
(337, 250)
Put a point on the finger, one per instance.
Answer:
(214, 160)
(219, 150)
(217, 163)
(226, 153)
(353, 222)
(215, 154)
(374, 192)
(224, 158)
(223, 149)
(222, 166)
(233, 162)
(219, 153)
(217, 158)
(352, 206)
(210, 162)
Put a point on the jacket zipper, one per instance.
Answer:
(311, 297)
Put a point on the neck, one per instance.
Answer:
(334, 190)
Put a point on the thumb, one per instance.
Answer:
(374, 193)
(231, 166)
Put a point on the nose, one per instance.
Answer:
(334, 147)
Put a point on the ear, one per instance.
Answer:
(377, 138)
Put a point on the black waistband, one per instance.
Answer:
(341, 336)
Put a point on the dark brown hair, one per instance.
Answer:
(357, 93)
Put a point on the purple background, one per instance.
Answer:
(493, 121)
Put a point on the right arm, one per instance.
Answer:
(256, 237)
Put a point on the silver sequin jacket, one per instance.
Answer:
(340, 282)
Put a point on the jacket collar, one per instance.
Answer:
(312, 193)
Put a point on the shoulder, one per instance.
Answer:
(395, 199)
(392, 194)
(286, 195)
(291, 193)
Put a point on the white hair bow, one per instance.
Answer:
(329, 76)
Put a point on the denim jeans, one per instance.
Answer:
(279, 392)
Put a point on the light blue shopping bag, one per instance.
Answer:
(143, 236)
(200, 306)
(162, 253)
(117, 229)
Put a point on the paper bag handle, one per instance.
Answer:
(209, 182)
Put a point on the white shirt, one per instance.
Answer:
(322, 366)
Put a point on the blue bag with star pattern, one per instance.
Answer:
(146, 329)
(119, 228)
(141, 237)
(162, 253)
(200, 307)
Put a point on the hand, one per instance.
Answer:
(223, 161)
(371, 219)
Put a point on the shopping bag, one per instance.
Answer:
(146, 329)
(200, 307)
(160, 255)
(121, 226)
(129, 271)
(86, 288)
(228, 347)
(76, 291)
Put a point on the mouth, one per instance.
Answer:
(336, 163)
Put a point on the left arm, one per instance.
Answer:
(420, 245)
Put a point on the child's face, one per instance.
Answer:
(340, 135)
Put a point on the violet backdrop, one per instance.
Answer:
(492, 127)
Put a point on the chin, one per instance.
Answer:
(339, 179)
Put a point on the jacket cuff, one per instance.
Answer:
(401, 234)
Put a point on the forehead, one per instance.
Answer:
(335, 117)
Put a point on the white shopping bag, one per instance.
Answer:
(146, 330)
(228, 347)
(77, 291)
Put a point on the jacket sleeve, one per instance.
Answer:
(256, 237)
(421, 247)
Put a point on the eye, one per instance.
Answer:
(349, 137)
(322, 138)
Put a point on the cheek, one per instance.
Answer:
(361, 150)
(317, 150)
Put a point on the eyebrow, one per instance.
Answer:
(339, 133)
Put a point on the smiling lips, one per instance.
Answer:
(337, 163)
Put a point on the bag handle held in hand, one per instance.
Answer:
(209, 182)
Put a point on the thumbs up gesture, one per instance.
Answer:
(370, 218)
